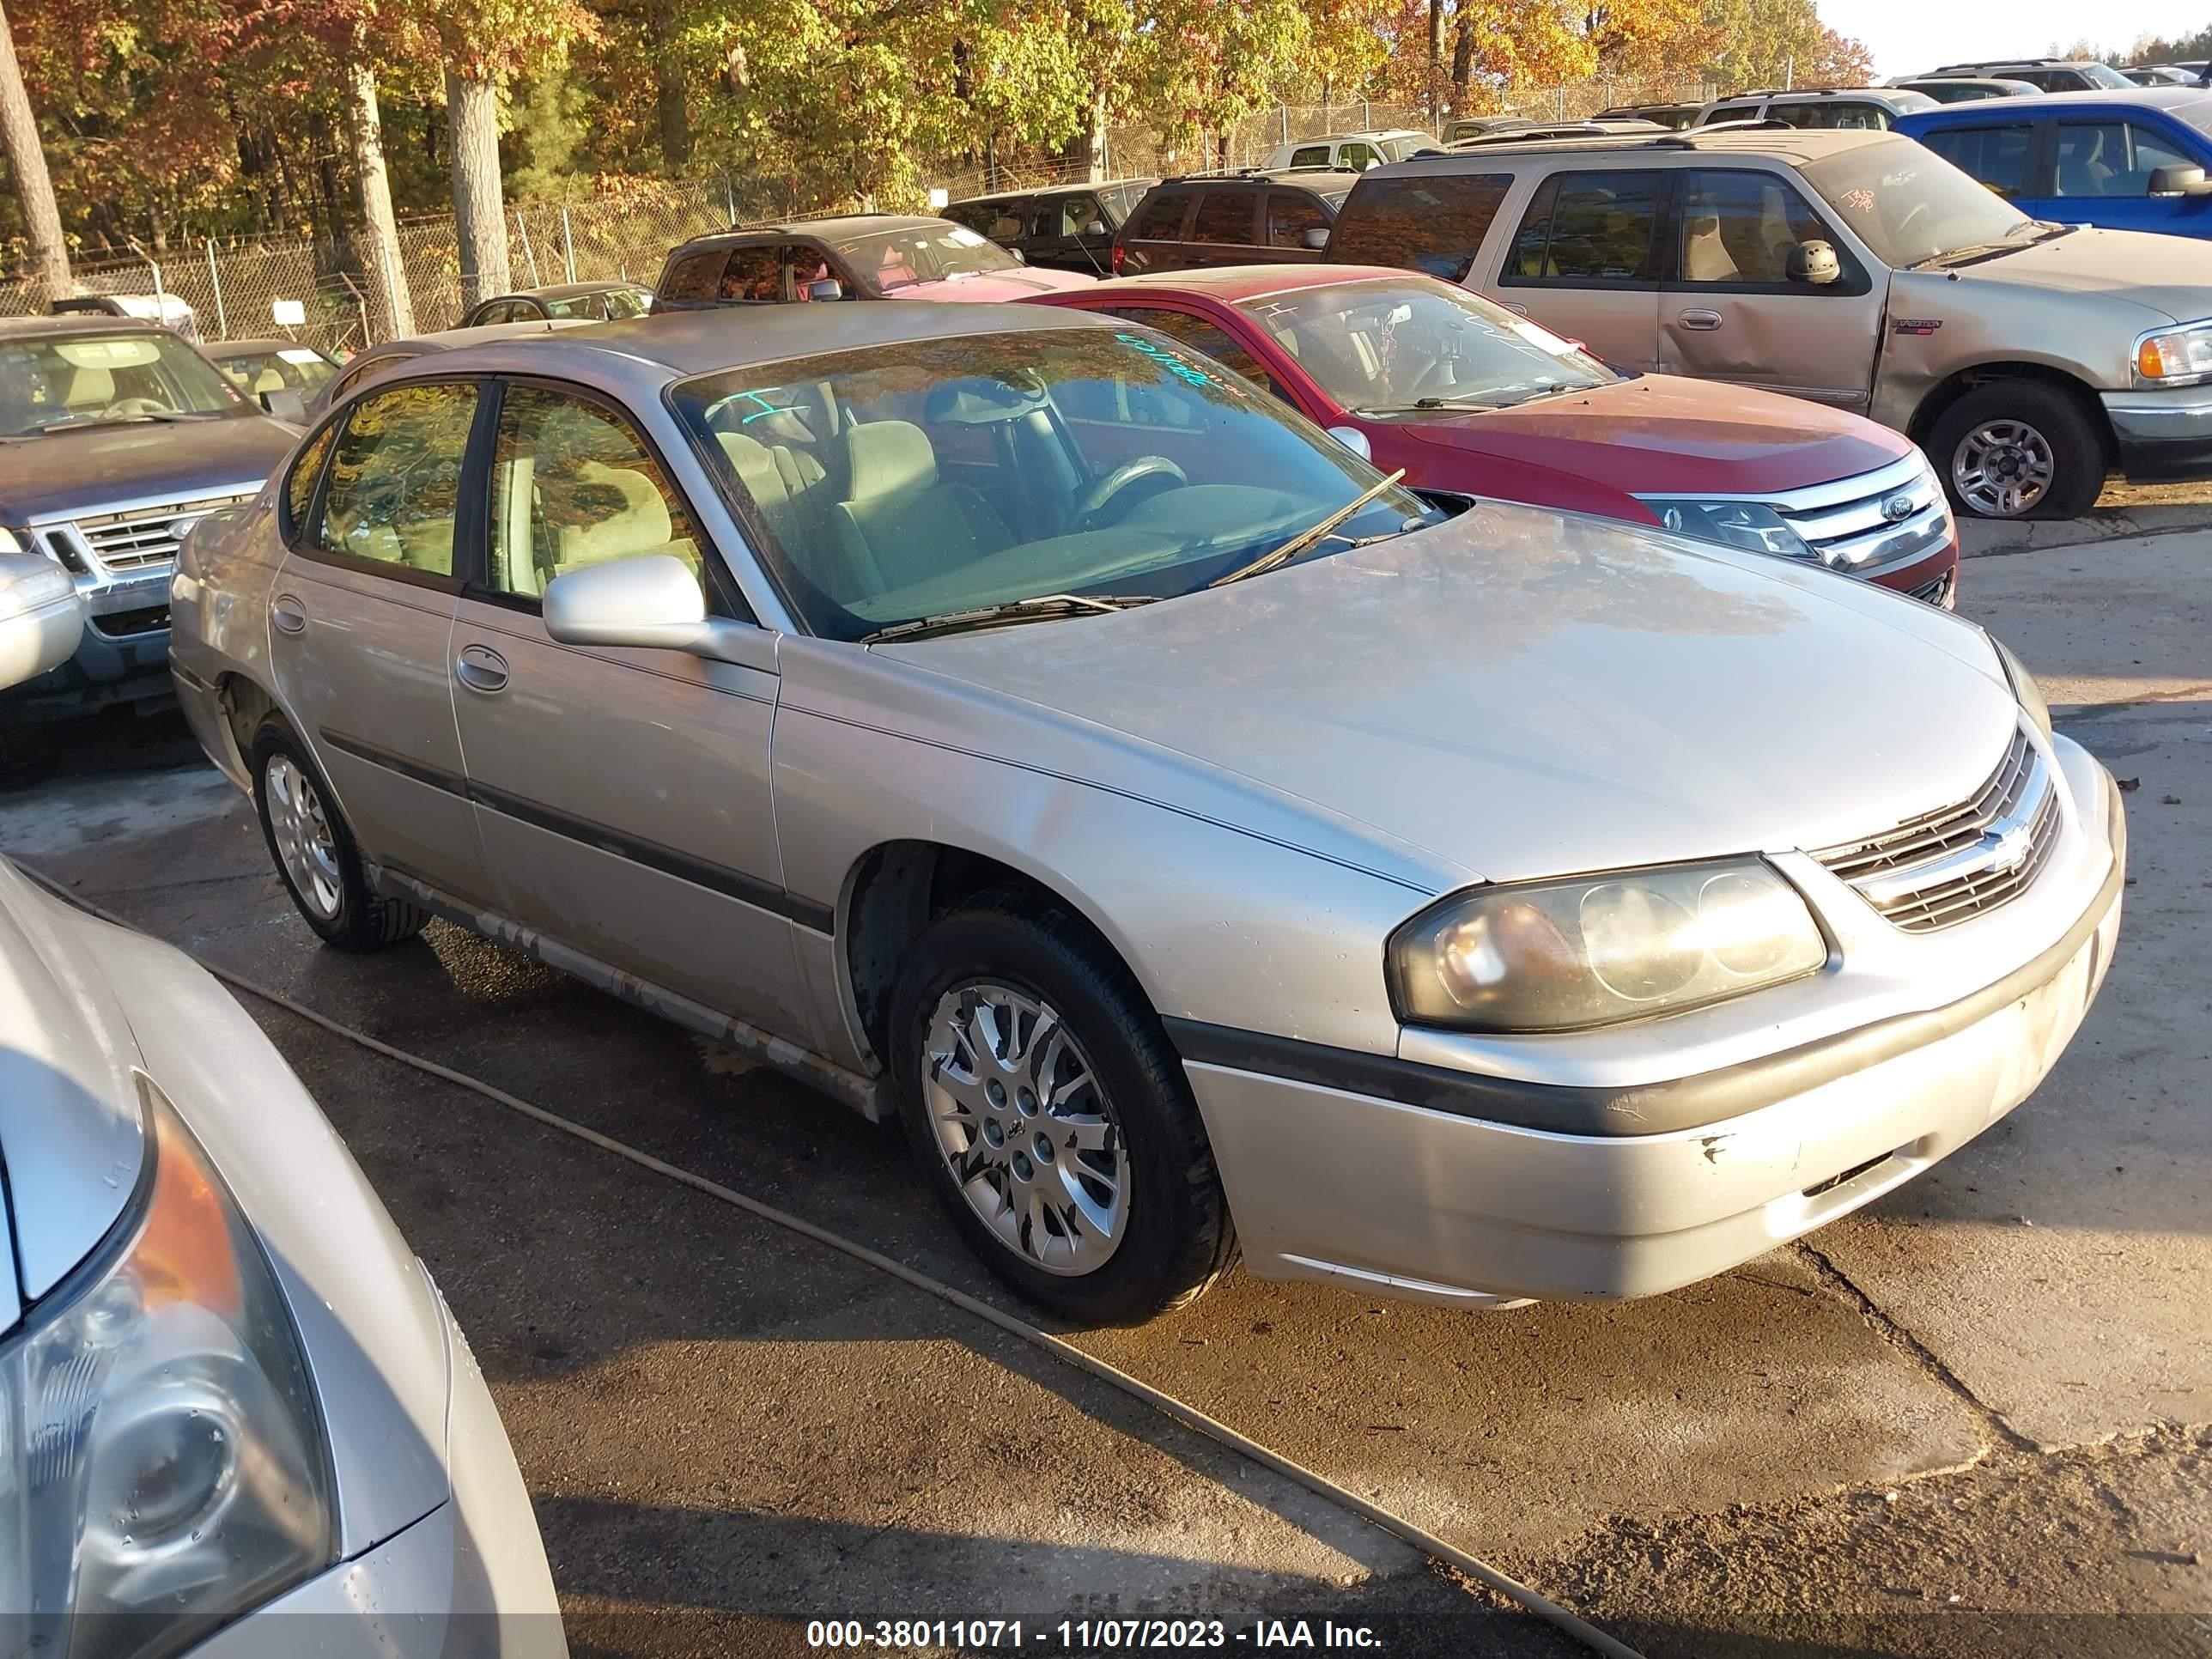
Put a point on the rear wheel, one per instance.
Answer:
(1052, 1117)
(314, 852)
(2019, 449)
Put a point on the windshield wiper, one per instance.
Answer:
(1312, 533)
(70, 424)
(1041, 605)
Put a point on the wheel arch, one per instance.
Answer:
(1947, 391)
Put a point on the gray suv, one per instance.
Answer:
(115, 437)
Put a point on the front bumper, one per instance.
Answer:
(123, 655)
(1331, 1183)
(2161, 435)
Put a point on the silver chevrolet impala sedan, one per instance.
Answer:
(1010, 722)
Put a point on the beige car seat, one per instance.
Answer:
(1705, 257)
(898, 525)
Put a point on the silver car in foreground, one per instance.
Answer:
(235, 1416)
(1008, 721)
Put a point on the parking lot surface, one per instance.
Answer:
(1974, 1418)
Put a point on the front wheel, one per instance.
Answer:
(1052, 1117)
(2019, 449)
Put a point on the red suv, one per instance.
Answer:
(1470, 399)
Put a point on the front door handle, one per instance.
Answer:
(481, 668)
(289, 615)
(1701, 319)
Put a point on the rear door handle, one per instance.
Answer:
(1701, 319)
(481, 668)
(289, 615)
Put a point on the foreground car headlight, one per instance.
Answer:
(1740, 524)
(2175, 357)
(2024, 688)
(1559, 955)
(162, 1467)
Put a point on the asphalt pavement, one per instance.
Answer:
(1975, 1418)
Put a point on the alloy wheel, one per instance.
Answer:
(302, 833)
(2002, 468)
(1025, 1128)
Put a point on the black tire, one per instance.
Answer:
(2054, 415)
(1176, 1238)
(364, 919)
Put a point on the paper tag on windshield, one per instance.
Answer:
(965, 237)
(300, 355)
(1542, 339)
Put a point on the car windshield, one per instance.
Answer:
(2104, 74)
(934, 477)
(281, 368)
(82, 379)
(1910, 205)
(1391, 344)
(892, 259)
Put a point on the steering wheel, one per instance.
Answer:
(1094, 502)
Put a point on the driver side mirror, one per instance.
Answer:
(1316, 239)
(1814, 263)
(650, 603)
(1353, 440)
(41, 617)
(2179, 180)
(825, 287)
(1095, 228)
(1020, 257)
(285, 404)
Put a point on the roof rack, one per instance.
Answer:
(1688, 140)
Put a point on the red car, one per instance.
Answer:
(1470, 399)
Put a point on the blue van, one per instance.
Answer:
(2128, 161)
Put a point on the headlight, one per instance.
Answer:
(162, 1467)
(2175, 357)
(10, 542)
(1739, 524)
(2024, 687)
(1559, 956)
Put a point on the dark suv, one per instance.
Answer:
(1231, 219)
(1065, 228)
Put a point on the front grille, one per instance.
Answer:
(122, 624)
(1875, 519)
(1944, 868)
(145, 535)
(1938, 592)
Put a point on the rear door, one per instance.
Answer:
(1225, 229)
(1728, 310)
(2100, 170)
(362, 618)
(1584, 261)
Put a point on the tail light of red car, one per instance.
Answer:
(1117, 258)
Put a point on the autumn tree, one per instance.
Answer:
(1769, 43)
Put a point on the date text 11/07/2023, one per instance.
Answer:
(1071, 1637)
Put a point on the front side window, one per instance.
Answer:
(572, 486)
(1225, 215)
(300, 482)
(393, 493)
(1996, 157)
(1357, 158)
(754, 275)
(2110, 158)
(1741, 227)
(1385, 346)
(986, 470)
(886, 261)
(1290, 215)
(1434, 224)
(54, 382)
(1074, 215)
(1911, 206)
(1160, 219)
(1588, 227)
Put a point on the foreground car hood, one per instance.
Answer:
(1663, 434)
(71, 1132)
(1024, 285)
(133, 460)
(1521, 693)
(2171, 276)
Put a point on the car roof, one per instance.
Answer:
(1815, 95)
(240, 347)
(80, 322)
(1346, 138)
(1914, 83)
(1233, 283)
(564, 290)
(2166, 97)
(1054, 190)
(1797, 145)
(675, 344)
(451, 339)
(1312, 177)
(848, 224)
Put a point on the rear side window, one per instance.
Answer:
(1161, 218)
(1588, 227)
(1996, 157)
(695, 275)
(1311, 155)
(1290, 215)
(1435, 224)
(1850, 116)
(1225, 215)
(1731, 112)
(299, 482)
(976, 215)
(395, 483)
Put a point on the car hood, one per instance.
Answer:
(2171, 276)
(71, 1128)
(1663, 434)
(92, 467)
(1522, 693)
(1023, 285)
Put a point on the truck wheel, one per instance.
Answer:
(1052, 1117)
(314, 852)
(2019, 449)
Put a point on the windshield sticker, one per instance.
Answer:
(961, 236)
(300, 355)
(1182, 370)
(1860, 200)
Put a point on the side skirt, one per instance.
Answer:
(867, 1095)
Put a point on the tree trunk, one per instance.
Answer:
(387, 272)
(1436, 58)
(670, 102)
(479, 203)
(1462, 67)
(1096, 159)
(26, 160)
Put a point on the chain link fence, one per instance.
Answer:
(330, 293)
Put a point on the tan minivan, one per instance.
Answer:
(2030, 359)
